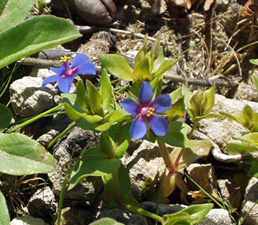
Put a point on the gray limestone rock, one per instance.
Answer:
(43, 204)
(145, 162)
(124, 217)
(28, 97)
(87, 191)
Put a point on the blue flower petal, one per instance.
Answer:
(59, 71)
(50, 79)
(131, 106)
(139, 128)
(65, 84)
(146, 93)
(80, 59)
(159, 125)
(162, 103)
(83, 65)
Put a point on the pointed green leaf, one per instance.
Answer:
(93, 162)
(202, 102)
(34, 35)
(240, 148)
(142, 52)
(21, 155)
(13, 12)
(183, 157)
(248, 118)
(5, 117)
(166, 66)
(85, 121)
(177, 136)
(94, 99)
(177, 110)
(251, 138)
(254, 79)
(80, 95)
(253, 172)
(254, 61)
(125, 186)
(105, 90)
(112, 118)
(194, 214)
(106, 221)
(120, 134)
(117, 66)
(4, 215)
(142, 71)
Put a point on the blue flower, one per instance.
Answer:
(147, 112)
(66, 73)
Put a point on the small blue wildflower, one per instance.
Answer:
(66, 73)
(146, 112)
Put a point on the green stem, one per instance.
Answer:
(54, 109)
(166, 157)
(61, 200)
(67, 129)
(193, 129)
(144, 212)
(115, 179)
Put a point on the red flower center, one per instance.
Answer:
(147, 111)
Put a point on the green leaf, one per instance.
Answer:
(2, 5)
(117, 66)
(5, 117)
(142, 52)
(183, 157)
(240, 148)
(253, 172)
(189, 216)
(21, 155)
(182, 92)
(95, 100)
(105, 90)
(13, 12)
(254, 61)
(177, 110)
(112, 118)
(120, 134)
(68, 98)
(248, 118)
(202, 102)
(166, 66)
(80, 95)
(4, 215)
(106, 221)
(142, 71)
(125, 187)
(93, 162)
(255, 81)
(177, 136)
(34, 35)
(251, 138)
(85, 121)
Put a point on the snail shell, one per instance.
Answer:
(97, 12)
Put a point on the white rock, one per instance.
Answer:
(222, 130)
(217, 216)
(145, 162)
(250, 205)
(28, 97)
(27, 220)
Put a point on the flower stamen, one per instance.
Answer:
(64, 59)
